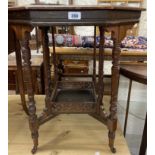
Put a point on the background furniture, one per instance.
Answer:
(37, 74)
(138, 73)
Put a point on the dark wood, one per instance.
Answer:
(40, 15)
(47, 71)
(54, 56)
(137, 72)
(111, 18)
(37, 41)
(33, 121)
(112, 124)
(94, 57)
(101, 66)
(127, 107)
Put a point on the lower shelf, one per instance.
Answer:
(74, 97)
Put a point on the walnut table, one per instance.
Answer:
(72, 96)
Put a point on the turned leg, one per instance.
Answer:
(47, 68)
(112, 121)
(54, 57)
(33, 122)
(101, 64)
(60, 69)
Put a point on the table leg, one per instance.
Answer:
(60, 69)
(54, 57)
(94, 58)
(47, 67)
(101, 64)
(127, 108)
(37, 41)
(112, 122)
(20, 75)
(33, 122)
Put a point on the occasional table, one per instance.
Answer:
(72, 96)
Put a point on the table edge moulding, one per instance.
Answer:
(110, 18)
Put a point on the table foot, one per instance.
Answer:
(35, 143)
(34, 150)
(113, 150)
(111, 136)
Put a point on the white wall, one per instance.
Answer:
(24, 2)
(143, 21)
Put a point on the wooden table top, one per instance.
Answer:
(136, 72)
(48, 15)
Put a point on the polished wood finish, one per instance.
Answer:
(111, 18)
(112, 15)
(134, 72)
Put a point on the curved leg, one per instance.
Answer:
(33, 121)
